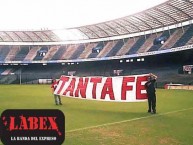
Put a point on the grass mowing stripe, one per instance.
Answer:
(134, 119)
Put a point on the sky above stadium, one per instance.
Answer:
(61, 14)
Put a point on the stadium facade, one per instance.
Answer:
(158, 40)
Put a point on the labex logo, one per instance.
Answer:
(29, 127)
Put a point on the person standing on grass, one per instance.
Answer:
(56, 97)
(151, 93)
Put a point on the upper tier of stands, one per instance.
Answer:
(164, 15)
(140, 44)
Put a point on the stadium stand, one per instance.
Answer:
(7, 71)
(172, 39)
(116, 48)
(23, 51)
(59, 53)
(32, 53)
(164, 34)
(29, 73)
(187, 35)
(137, 45)
(107, 48)
(51, 51)
(8, 79)
(87, 51)
(4, 50)
(126, 47)
(12, 53)
(148, 43)
(99, 47)
(43, 55)
(69, 51)
(190, 41)
(78, 51)
(166, 66)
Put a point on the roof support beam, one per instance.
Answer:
(159, 10)
(142, 21)
(179, 10)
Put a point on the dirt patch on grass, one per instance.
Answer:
(168, 140)
(107, 132)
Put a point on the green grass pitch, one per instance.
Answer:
(109, 123)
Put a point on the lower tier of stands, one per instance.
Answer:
(168, 68)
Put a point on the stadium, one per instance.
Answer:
(158, 40)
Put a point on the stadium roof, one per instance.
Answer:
(28, 36)
(166, 14)
(169, 13)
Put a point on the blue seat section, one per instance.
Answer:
(22, 53)
(78, 51)
(38, 55)
(164, 34)
(116, 48)
(3, 52)
(137, 45)
(99, 45)
(185, 37)
(155, 47)
(59, 53)
(1, 70)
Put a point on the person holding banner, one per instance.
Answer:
(151, 93)
(56, 97)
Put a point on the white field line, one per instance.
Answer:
(129, 120)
